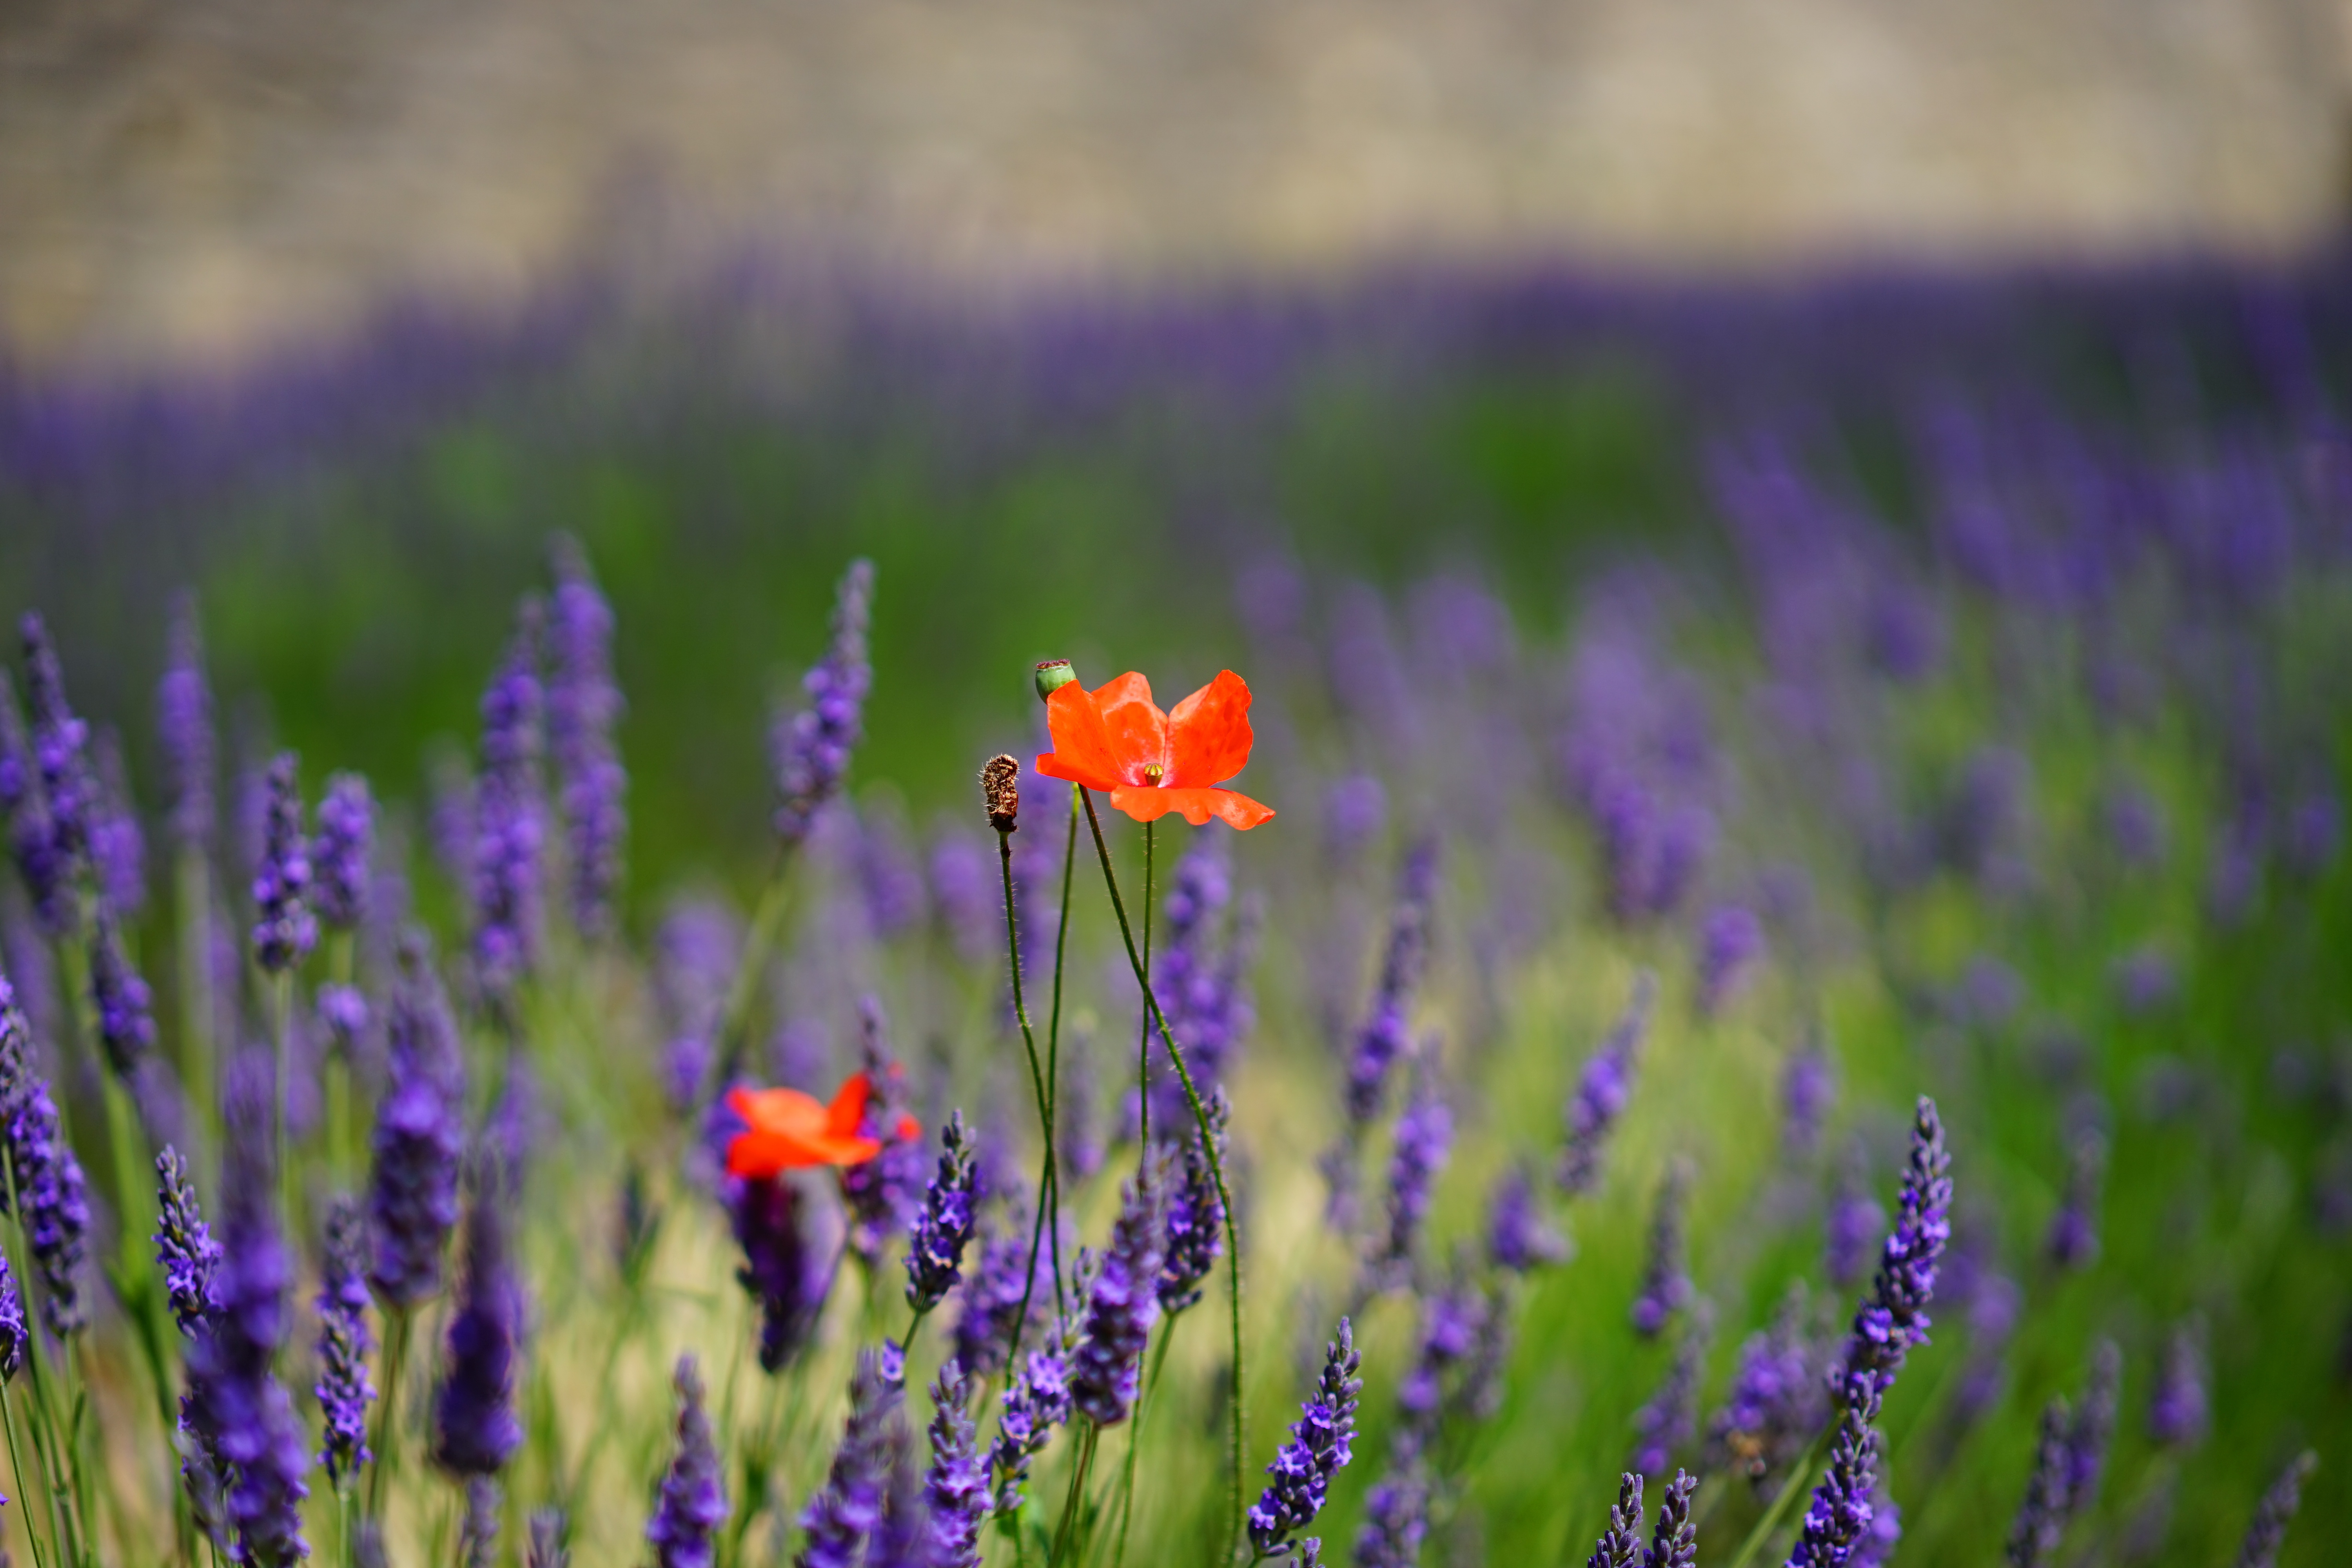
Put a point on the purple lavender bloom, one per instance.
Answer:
(1777, 1401)
(1035, 1403)
(2134, 827)
(1424, 1137)
(2048, 1504)
(890, 882)
(1451, 1323)
(419, 1136)
(2314, 833)
(1353, 809)
(49, 1186)
(902, 1539)
(1196, 1216)
(46, 871)
(1386, 1032)
(847, 1509)
(509, 817)
(1602, 1091)
(344, 1389)
(477, 1531)
(451, 822)
(943, 1229)
(59, 749)
(582, 706)
(125, 1007)
(1730, 940)
(693, 1498)
(812, 752)
(2092, 1429)
(787, 1266)
(1855, 1225)
(243, 1417)
(955, 1487)
(696, 949)
(1840, 1516)
(284, 930)
(966, 900)
(15, 1336)
(118, 849)
(184, 719)
(2267, 1533)
(1122, 1308)
(2145, 981)
(1675, 1542)
(1320, 1448)
(549, 1540)
(1893, 1317)
(343, 1014)
(1808, 1089)
(2180, 1411)
(1396, 1511)
(2073, 1238)
(1665, 1425)
(475, 1429)
(184, 1247)
(1878, 1543)
(1201, 988)
(990, 1297)
(1621, 1545)
(339, 855)
(1665, 1287)
(1518, 1237)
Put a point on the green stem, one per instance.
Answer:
(281, 1019)
(1143, 1025)
(767, 924)
(1208, 1147)
(1797, 1474)
(1078, 1490)
(46, 1444)
(193, 887)
(17, 1473)
(395, 1356)
(1135, 1438)
(1054, 1027)
(1049, 1173)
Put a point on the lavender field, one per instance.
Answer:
(1738, 954)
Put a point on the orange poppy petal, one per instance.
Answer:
(1083, 751)
(1136, 728)
(909, 1128)
(1209, 733)
(776, 1109)
(1061, 765)
(1196, 804)
(841, 1117)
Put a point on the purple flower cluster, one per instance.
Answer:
(184, 1247)
(509, 827)
(16, 1335)
(2042, 1517)
(419, 1136)
(339, 853)
(692, 1503)
(1201, 984)
(2267, 1533)
(125, 1007)
(1665, 1425)
(1808, 1089)
(943, 1229)
(1196, 1215)
(847, 1509)
(2179, 1410)
(812, 752)
(49, 1185)
(1124, 1304)
(118, 848)
(696, 951)
(582, 706)
(1777, 1401)
(1518, 1237)
(284, 930)
(1424, 1137)
(1855, 1224)
(1035, 1403)
(1602, 1091)
(343, 1389)
(1666, 1284)
(1387, 1031)
(243, 1417)
(184, 720)
(2073, 1238)
(1893, 1317)
(1320, 1448)
(60, 753)
(1731, 939)
(475, 1428)
(788, 1244)
(955, 1487)
(883, 1193)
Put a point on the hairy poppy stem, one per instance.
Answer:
(1143, 1025)
(1208, 1147)
(1053, 1034)
(1049, 1178)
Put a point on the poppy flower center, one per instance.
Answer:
(1154, 774)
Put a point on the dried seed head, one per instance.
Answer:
(1000, 789)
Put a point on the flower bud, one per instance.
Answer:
(1053, 675)
(1000, 790)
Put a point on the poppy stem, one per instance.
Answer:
(1208, 1147)
(1054, 1040)
(1143, 1025)
(1049, 1177)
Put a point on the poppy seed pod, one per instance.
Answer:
(1052, 674)
(1000, 790)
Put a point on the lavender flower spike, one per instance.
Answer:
(1894, 1318)
(2178, 1412)
(787, 1262)
(1518, 1237)
(1424, 1136)
(344, 1389)
(241, 1418)
(846, 1510)
(1123, 1306)
(2073, 1238)
(475, 1430)
(48, 1177)
(125, 1007)
(1665, 1425)
(60, 754)
(339, 855)
(2275, 1512)
(942, 1231)
(1855, 1224)
(184, 719)
(812, 752)
(2042, 1517)
(419, 1136)
(693, 1501)
(1601, 1093)
(1665, 1287)
(582, 705)
(1384, 1036)
(1620, 1544)
(955, 1487)
(284, 930)
(1675, 1542)
(2094, 1427)
(1841, 1514)
(508, 830)
(1035, 1403)
(1196, 1216)
(1320, 1448)
(15, 1336)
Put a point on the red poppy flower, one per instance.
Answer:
(1115, 739)
(785, 1129)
